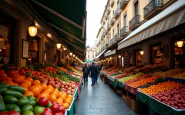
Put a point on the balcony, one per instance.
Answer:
(117, 13)
(108, 27)
(134, 22)
(106, 16)
(112, 21)
(114, 40)
(153, 8)
(111, 3)
(108, 9)
(123, 4)
(124, 31)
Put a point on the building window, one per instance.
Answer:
(118, 30)
(125, 20)
(136, 8)
(88, 56)
(113, 13)
(113, 33)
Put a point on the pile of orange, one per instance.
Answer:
(42, 90)
(165, 86)
(36, 88)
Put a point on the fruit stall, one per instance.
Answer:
(38, 89)
(160, 88)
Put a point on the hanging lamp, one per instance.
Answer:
(58, 45)
(180, 43)
(32, 29)
(142, 52)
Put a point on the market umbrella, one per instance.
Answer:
(88, 61)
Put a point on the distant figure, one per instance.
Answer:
(98, 68)
(85, 74)
(73, 64)
(94, 72)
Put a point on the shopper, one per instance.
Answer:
(94, 72)
(85, 74)
(96, 77)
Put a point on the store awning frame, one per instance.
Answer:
(110, 52)
(100, 54)
(164, 21)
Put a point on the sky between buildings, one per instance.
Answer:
(95, 10)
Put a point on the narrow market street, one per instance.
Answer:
(101, 100)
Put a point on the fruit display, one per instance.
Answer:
(122, 75)
(13, 101)
(165, 86)
(180, 76)
(143, 81)
(174, 97)
(170, 73)
(128, 82)
(69, 76)
(111, 68)
(130, 77)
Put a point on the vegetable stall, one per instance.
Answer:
(161, 89)
(38, 89)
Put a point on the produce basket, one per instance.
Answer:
(72, 109)
(158, 106)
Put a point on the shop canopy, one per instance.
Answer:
(110, 52)
(171, 17)
(100, 54)
(67, 19)
(88, 61)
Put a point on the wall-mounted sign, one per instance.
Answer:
(25, 46)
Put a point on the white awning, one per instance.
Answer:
(110, 52)
(100, 54)
(171, 17)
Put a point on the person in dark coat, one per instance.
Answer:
(96, 78)
(94, 72)
(85, 74)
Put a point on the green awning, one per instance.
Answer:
(66, 18)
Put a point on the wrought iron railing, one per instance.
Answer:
(123, 30)
(151, 6)
(135, 20)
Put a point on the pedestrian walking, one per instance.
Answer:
(85, 74)
(94, 72)
(98, 68)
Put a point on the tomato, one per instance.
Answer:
(3, 113)
(61, 109)
(58, 113)
(43, 101)
(55, 107)
(13, 112)
(48, 110)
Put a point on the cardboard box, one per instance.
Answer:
(128, 101)
(124, 98)
(119, 91)
(137, 106)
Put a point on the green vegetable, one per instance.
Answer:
(27, 108)
(23, 102)
(17, 88)
(33, 103)
(5, 85)
(31, 98)
(10, 99)
(27, 113)
(2, 105)
(16, 94)
(24, 97)
(2, 90)
(28, 74)
(12, 107)
(38, 109)
(49, 105)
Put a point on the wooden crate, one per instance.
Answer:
(137, 106)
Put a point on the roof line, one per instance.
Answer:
(105, 10)
(78, 39)
(57, 14)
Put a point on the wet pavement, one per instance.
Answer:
(101, 100)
